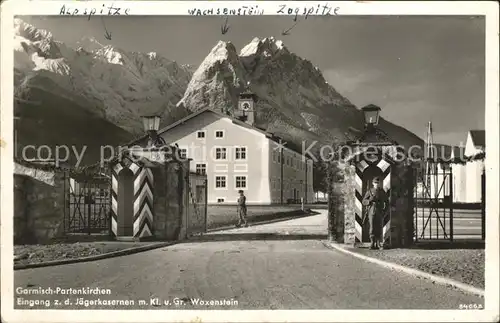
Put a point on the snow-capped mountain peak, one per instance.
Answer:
(89, 44)
(111, 55)
(120, 84)
(266, 46)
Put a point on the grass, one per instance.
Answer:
(465, 265)
(221, 215)
(28, 254)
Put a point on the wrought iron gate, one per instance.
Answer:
(433, 204)
(197, 205)
(87, 202)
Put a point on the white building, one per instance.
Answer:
(467, 177)
(475, 144)
(236, 155)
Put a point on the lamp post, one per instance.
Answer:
(371, 113)
(151, 125)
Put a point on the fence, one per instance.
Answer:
(87, 202)
(437, 216)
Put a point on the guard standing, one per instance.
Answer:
(376, 202)
(242, 209)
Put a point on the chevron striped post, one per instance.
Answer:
(143, 200)
(143, 203)
(358, 224)
(114, 198)
(385, 167)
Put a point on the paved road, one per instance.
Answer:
(276, 266)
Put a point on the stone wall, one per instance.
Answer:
(401, 206)
(38, 204)
(170, 201)
(348, 192)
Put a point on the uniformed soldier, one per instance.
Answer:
(376, 202)
(242, 209)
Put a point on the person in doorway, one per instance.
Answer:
(242, 209)
(376, 202)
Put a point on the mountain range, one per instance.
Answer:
(94, 95)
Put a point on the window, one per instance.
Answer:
(201, 169)
(220, 200)
(241, 182)
(220, 181)
(241, 153)
(201, 135)
(220, 153)
(274, 156)
(219, 134)
(183, 153)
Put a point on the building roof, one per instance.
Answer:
(220, 114)
(478, 138)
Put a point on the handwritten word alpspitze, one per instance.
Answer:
(242, 11)
(110, 11)
(323, 10)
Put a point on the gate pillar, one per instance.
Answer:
(132, 199)
(388, 162)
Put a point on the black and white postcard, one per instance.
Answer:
(249, 161)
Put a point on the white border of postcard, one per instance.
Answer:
(489, 314)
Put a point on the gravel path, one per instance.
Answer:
(28, 254)
(464, 265)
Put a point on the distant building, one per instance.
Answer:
(469, 180)
(466, 176)
(236, 155)
(459, 175)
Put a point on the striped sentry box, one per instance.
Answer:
(143, 200)
(384, 164)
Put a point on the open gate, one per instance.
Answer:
(87, 202)
(197, 205)
(433, 204)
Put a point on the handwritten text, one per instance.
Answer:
(242, 11)
(110, 11)
(324, 10)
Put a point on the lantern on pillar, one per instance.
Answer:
(371, 113)
(151, 125)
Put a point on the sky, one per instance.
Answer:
(416, 68)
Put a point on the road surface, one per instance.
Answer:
(282, 265)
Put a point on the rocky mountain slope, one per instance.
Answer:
(114, 84)
(94, 95)
(295, 100)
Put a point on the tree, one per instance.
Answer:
(319, 177)
(331, 177)
(331, 202)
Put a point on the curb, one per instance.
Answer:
(113, 254)
(414, 272)
(251, 224)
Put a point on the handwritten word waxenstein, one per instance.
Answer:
(242, 11)
(110, 11)
(323, 10)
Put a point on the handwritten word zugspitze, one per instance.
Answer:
(307, 10)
